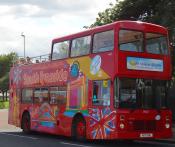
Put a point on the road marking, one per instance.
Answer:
(75, 144)
(11, 130)
(34, 138)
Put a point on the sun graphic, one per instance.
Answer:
(132, 63)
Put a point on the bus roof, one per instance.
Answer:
(126, 24)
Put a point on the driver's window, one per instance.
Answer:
(127, 93)
(101, 92)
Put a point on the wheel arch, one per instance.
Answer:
(77, 116)
(24, 113)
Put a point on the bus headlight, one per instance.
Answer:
(167, 125)
(158, 117)
(122, 126)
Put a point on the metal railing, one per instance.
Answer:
(32, 60)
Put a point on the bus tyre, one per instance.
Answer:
(79, 129)
(26, 123)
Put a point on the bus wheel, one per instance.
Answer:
(79, 129)
(26, 123)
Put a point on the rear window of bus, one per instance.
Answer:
(60, 50)
(27, 95)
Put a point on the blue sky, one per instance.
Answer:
(43, 20)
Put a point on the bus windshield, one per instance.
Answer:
(140, 93)
(132, 40)
(156, 44)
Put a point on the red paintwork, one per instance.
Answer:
(81, 130)
(107, 125)
(121, 55)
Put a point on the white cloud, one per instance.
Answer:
(41, 21)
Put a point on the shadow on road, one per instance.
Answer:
(89, 143)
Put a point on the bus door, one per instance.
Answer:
(101, 93)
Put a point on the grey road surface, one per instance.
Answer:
(19, 139)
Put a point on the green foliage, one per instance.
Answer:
(4, 82)
(4, 105)
(160, 12)
(6, 61)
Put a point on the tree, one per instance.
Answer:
(6, 61)
(4, 86)
(160, 12)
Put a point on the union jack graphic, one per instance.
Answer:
(102, 122)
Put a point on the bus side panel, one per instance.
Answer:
(43, 117)
(14, 104)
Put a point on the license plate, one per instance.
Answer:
(146, 135)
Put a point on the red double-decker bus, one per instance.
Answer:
(108, 82)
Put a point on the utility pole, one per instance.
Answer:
(24, 37)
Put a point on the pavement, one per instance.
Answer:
(5, 127)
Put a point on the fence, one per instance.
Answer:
(32, 60)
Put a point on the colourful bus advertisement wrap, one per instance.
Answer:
(109, 82)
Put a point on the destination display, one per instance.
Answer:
(135, 63)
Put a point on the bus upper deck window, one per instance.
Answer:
(103, 41)
(130, 40)
(80, 46)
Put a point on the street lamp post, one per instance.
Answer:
(22, 34)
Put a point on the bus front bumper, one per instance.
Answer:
(144, 135)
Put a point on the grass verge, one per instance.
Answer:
(4, 105)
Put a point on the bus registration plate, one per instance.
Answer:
(146, 135)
